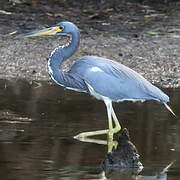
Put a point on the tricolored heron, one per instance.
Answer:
(102, 78)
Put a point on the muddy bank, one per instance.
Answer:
(143, 37)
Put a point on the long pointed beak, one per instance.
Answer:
(43, 32)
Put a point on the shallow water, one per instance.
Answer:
(38, 121)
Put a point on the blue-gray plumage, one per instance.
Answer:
(114, 80)
(103, 78)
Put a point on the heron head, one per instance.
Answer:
(66, 27)
(62, 28)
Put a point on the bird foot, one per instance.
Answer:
(84, 135)
(80, 136)
(110, 136)
(109, 133)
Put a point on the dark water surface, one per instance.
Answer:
(38, 120)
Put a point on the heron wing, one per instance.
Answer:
(114, 88)
(114, 80)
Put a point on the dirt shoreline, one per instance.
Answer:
(153, 53)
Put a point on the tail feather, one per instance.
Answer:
(169, 109)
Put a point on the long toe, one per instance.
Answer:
(92, 133)
(80, 136)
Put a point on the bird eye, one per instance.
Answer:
(61, 28)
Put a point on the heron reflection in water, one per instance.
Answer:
(102, 78)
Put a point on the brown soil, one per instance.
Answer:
(143, 36)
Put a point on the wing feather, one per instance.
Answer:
(116, 80)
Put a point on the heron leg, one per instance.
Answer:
(108, 104)
(83, 135)
(110, 132)
(117, 124)
(112, 115)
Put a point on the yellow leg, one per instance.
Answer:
(110, 143)
(92, 133)
(110, 132)
(117, 124)
(111, 114)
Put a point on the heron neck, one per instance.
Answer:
(60, 54)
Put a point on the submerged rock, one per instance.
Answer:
(124, 158)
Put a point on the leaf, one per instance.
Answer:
(16, 1)
(54, 15)
(5, 12)
(153, 15)
(153, 33)
(173, 30)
